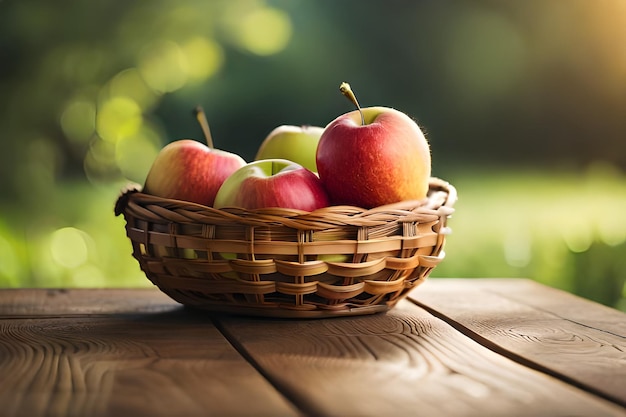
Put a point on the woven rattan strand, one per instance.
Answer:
(339, 260)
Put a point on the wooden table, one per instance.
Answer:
(488, 347)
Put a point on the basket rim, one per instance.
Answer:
(134, 191)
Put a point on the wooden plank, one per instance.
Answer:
(576, 340)
(568, 306)
(62, 302)
(404, 362)
(139, 364)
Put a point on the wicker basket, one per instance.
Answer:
(335, 261)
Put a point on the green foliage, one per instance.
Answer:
(562, 228)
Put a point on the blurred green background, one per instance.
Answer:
(524, 104)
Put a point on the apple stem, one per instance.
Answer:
(201, 116)
(347, 91)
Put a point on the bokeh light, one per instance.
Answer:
(78, 120)
(75, 63)
(134, 154)
(100, 163)
(259, 30)
(88, 275)
(204, 58)
(517, 247)
(163, 66)
(611, 233)
(130, 84)
(10, 265)
(117, 118)
(68, 247)
(578, 237)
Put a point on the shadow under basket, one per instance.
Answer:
(335, 261)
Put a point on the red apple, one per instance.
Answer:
(191, 171)
(272, 183)
(373, 156)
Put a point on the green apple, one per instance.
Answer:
(295, 143)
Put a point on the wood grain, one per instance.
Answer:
(405, 362)
(166, 364)
(136, 352)
(574, 339)
(26, 303)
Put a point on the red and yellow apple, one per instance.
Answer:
(191, 171)
(373, 156)
(295, 143)
(271, 183)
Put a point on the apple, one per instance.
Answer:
(295, 143)
(270, 183)
(191, 171)
(373, 156)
